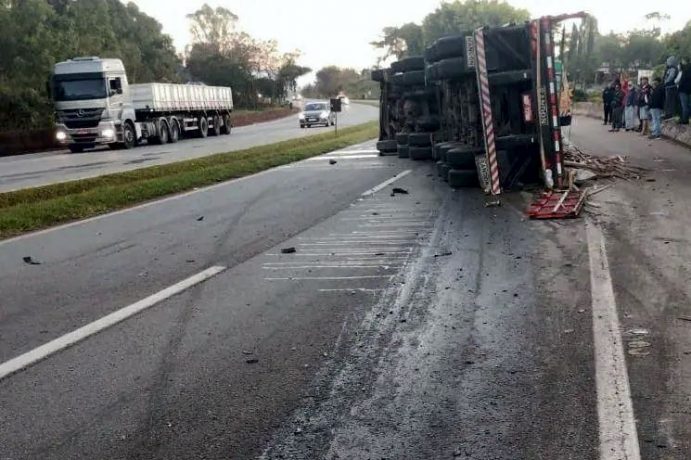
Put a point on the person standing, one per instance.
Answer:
(671, 73)
(617, 107)
(644, 105)
(657, 105)
(631, 108)
(607, 103)
(684, 87)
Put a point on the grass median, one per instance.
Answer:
(31, 209)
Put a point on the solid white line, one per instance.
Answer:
(342, 157)
(342, 254)
(618, 436)
(386, 183)
(37, 354)
(306, 267)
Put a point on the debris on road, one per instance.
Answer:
(557, 205)
(252, 361)
(600, 167)
(290, 250)
(444, 254)
(29, 260)
(332, 162)
(398, 190)
(684, 318)
(200, 218)
(492, 204)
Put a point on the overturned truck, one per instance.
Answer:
(485, 105)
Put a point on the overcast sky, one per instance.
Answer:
(339, 32)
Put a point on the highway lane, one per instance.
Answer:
(44, 168)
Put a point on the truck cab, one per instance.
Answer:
(93, 104)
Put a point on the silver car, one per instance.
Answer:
(317, 113)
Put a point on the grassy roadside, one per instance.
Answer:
(373, 103)
(36, 208)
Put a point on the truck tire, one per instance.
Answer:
(510, 77)
(173, 130)
(227, 126)
(76, 148)
(420, 153)
(129, 136)
(450, 47)
(414, 78)
(419, 140)
(412, 63)
(387, 146)
(462, 158)
(398, 79)
(162, 130)
(396, 67)
(203, 125)
(403, 151)
(460, 178)
(452, 68)
(377, 75)
(402, 139)
(431, 54)
(216, 129)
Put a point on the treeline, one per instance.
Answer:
(332, 80)
(35, 34)
(583, 49)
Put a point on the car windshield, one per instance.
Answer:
(77, 90)
(315, 107)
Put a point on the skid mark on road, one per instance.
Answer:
(618, 435)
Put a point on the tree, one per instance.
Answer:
(406, 40)
(213, 26)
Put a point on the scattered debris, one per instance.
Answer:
(190, 261)
(29, 260)
(252, 360)
(443, 254)
(200, 218)
(457, 453)
(398, 190)
(332, 162)
(247, 352)
(379, 254)
(684, 318)
(290, 250)
(557, 205)
(298, 430)
(569, 331)
(602, 168)
(493, 204)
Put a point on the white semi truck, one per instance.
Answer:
(95, 105)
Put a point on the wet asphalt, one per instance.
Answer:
(415, 326)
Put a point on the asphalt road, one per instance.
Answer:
(413, 326)
(23, 171)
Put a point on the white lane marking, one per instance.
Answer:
(37, 354)
(372, 252)
(618, 436)
(348, 152)
(350, 290)
(386, 183)
(354, 261)
(327, 278)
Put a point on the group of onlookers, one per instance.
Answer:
(642, 107)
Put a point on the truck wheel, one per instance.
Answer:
(403, 151)
(387, 146)
(449, 47)
(420, 153)
(216, 129)
(203, 125)
(74, 148)
(412, 63)
(419, 139)
(227, 127)
(129, 136)
(459, 178)
(402, 139)
(451, 68)
(463, 158)
(414, 78)
(173, 132)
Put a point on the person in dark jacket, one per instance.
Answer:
(617, 107)
(685, 92)
(644, 105)
(607, 103)
(657, 105)
(671, 73)
(631, 108)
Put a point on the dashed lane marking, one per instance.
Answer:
(386, 183)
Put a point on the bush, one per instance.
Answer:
(579, 95)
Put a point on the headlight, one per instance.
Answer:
(108, 132)
(325, 114)
(301, 116)
(60, 135)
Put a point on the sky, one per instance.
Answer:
(329, 32)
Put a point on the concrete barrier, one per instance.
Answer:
(670, 128)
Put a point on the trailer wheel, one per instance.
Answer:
(419, 139)
(412, 63)
(459, 178)
(420, 153)
(227, 127)
(463, 158)
(173, 131)
(450, 47)
(449, 69)
(216, 129)
(129, 136)
(414, 78)
(203, 125)
(387, 146)
(403, 151)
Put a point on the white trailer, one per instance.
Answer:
(95, 105)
